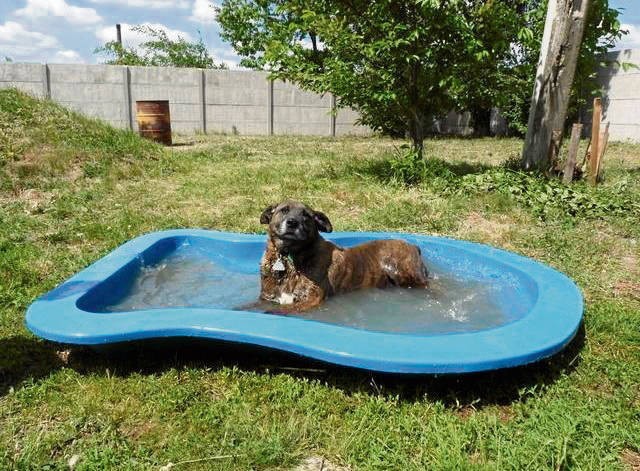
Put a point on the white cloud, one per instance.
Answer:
(156, 4)
(203, 12)
(227, 56)
(132, 38)
(36, 10)
(631, 40)
(67, 56)
(20, 44)
(23, 45)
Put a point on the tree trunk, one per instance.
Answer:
(481, 121)
(563, 31)
(417, 134)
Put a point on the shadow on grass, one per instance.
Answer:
(182, 144)
(25, 358)
(383, 169)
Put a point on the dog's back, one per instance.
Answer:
(326, 270)
(378, 264)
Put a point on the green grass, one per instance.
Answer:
(73, 189)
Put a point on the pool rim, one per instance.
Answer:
(546, 329)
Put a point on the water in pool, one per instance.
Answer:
(458, 300)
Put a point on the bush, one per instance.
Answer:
(545, 197)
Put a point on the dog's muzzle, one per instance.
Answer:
(292, 229)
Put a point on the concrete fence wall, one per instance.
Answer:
(246, 102)
(621, 95)
(231, 101)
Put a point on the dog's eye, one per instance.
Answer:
(285, 209)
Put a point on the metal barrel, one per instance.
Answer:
(154, 120)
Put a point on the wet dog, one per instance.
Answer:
(300, 269)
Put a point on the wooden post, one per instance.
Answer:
(563, 31)
(595, 140)
(570, 165)
(604, 140)
(119, 34)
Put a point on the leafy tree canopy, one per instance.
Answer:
(160, 50)
(403, 63)
(400, 63)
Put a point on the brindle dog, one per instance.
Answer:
(300, 269)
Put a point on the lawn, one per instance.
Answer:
(72, 189)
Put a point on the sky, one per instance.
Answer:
(68, 31)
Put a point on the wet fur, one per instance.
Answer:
(316, 268)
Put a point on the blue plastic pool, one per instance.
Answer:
(486, 309)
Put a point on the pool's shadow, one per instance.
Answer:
(25, 358)
(476, 390)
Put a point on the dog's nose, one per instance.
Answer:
(292, 223)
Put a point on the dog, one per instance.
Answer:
(300, 269)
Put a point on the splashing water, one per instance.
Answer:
(462, 298)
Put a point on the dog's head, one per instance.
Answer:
(294, 226)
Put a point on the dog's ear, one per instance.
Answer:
(265, 217)
(322, 222)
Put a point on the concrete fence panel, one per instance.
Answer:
(236, 101)
(95, 91)
(296, 111)
(30, 78)
(621, 95)
(346, 119)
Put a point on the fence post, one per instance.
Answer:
(203, 101)
(270, 107)
(595, 140)
(46, 81)
(332, 129)
(126, 78)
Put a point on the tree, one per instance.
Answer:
(563, 31)
(160, 50)
(399, 63)
(498, 25)
(602, 30)
(403, 63)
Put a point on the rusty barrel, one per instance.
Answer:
(154, 120)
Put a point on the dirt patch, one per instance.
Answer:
(630, 459)
(137, 431)
(465, 412)
(45, 161)
(505, 414)
(628, 286)
(629, 289)
(495, 231)
(35, 201)
(318, 463)
(630, 263)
